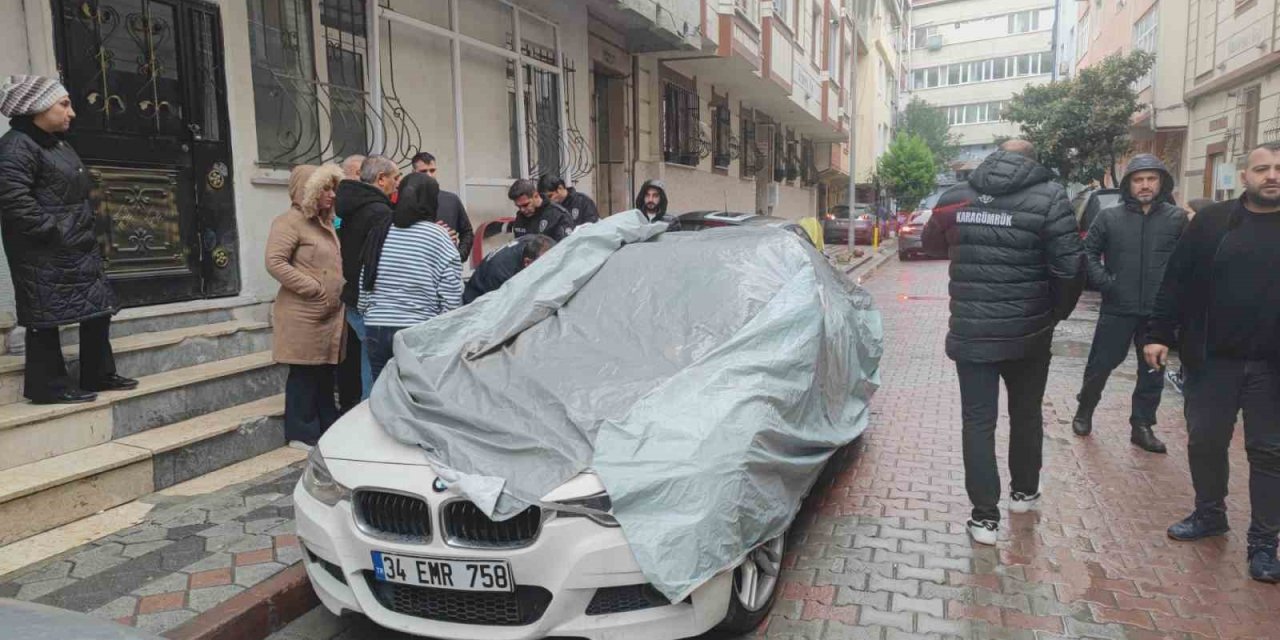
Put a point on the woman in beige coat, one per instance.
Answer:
(309, 334)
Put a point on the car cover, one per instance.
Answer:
(705, 377)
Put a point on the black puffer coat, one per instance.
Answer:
(1127, 250)
(47, 223)
(1016, 263)
(362, 207)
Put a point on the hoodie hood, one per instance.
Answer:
(354, 195)
(315, 182)
(662, 201)
(298, 183)
(1147, 162)
(1005, 172)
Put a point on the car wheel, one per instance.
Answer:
(755, 587)
(904, 256)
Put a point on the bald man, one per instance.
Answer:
(351, 167)
(1016, 271)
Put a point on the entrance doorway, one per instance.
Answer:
(146, 81)
(609, 119)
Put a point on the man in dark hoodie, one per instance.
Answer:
(503, 264)
(1127, 249)
(1016, 271)
(452, 213)
(535, 214)
(1220, 300)
(581, 208)
(362, 205)
(651, 200)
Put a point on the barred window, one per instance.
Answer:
(679, 125)
(721, 133)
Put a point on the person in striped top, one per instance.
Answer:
(412, 272)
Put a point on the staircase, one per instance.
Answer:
(208, 396)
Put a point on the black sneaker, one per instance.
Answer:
(67, 396)
(1263, 565)
(1197, 526)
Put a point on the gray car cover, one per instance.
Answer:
(705, 377)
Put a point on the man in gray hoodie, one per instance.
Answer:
(1127, 249)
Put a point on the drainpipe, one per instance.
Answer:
(853, 131)
(1057, 11)
(635, 124)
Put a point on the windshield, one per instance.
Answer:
(922, 217)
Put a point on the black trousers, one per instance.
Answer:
(308, 402)
(1112, 339)
(1216, 392)
(46, 370)
(350, 384)
(980, 397)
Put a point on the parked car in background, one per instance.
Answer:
(702, 220)
(910, 244)
(835, 224)
(1094, 203)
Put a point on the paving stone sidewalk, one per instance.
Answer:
(881, 551)
(190, 555)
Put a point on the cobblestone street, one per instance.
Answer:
(881, 551)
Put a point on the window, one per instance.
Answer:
(721, 135)
(749, 163)
(975, 113)
(1082, 37)
(920, 37)
(679, 125)
(344, 35)
(1024, 21)
(782, 9)
(815, 34)
(1027, 64)
(1144, 39)
(833, 46)
(1249, 116)
(283, 69)
(750, 9)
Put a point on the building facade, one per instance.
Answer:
(192, 112)
(1109, 27)
(969, 57)
(1232, 90)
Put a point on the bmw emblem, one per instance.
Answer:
(439, 486)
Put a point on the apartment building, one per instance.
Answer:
(1232, 90)
(970, 56)
(1109, 27)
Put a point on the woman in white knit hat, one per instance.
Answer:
(47, 223)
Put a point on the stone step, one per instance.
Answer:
(143, 354)
(48, 493)
(29, 432)
(163, 317)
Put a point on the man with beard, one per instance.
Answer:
(1127, 249)
(535, 214)
(652, 202)
(1220, 300)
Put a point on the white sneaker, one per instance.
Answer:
(984, 531)
(300, 445)
(1023, 502)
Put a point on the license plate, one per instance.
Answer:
(443, 573)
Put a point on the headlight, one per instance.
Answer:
(596, 508)
(318, 482)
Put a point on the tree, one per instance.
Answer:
(908, 170)
(930, 123)
(1080, 126)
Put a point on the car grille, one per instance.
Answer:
(465, 525)
(632, 597)
(525, 606)
(393, 515)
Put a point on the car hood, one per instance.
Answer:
(358, 437)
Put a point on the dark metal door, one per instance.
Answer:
(146, 81)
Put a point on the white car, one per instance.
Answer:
(382, 539)
(707, 427)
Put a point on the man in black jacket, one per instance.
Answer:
(1221, 299)
(1015, 273)
(503, 264)
(1127, 249)
(581, 208)
(362, 205)
(450, 213)
(535, 214)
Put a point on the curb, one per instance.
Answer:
(871, 262)
(256, 613)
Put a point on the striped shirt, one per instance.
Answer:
(419, 278)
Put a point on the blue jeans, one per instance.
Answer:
(356, 322)
(378, 344)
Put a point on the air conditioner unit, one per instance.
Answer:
(933, 43)
(771, 195)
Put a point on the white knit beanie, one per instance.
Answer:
(27, 95)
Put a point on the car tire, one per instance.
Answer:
(749, 606)
(904, 256)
